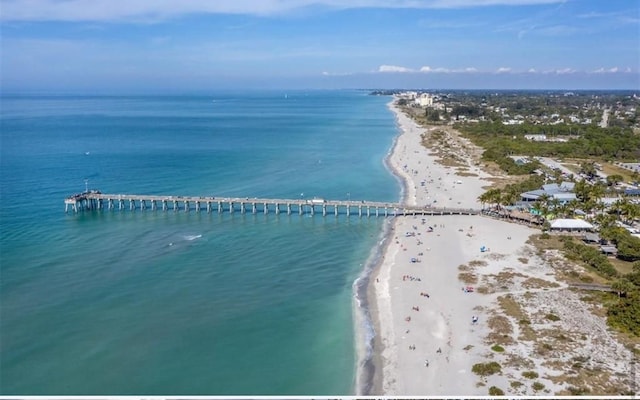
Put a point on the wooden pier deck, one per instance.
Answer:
(95, 200)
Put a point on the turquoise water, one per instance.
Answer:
(152, 302)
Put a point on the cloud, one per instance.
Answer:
(503, 70)
(327, 73)
(565, 71)
(427, 69)
(393, 68)
(153, 10)
(612, 70)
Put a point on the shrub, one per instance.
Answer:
(495, 391)
(552, 317)
(516, 384)
(578, 391)
(497, 348)
(530, 374)
(537, 386)
(486, 369)
(590, 256)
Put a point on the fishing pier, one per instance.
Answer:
(95, 200)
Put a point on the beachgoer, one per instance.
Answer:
(426, 363)
(439, 350)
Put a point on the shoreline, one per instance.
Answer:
(367, 374)
(424, 341)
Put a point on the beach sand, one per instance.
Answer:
(425, 339)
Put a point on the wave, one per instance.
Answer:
(364, 325)
(192, 237)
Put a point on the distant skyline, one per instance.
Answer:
(199, 45)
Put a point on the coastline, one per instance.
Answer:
(424, 340)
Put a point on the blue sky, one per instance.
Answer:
(186, 45)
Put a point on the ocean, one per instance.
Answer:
(186, 303)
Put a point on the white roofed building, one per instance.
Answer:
(570, 225)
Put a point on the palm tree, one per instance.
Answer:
(571, 207)
(491, 196)
(597, 191)
(588, 168)
(581, 190)
(543, 204)
(508, 198)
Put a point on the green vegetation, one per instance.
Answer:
(583, 141)
(486, 369)
(537, 386)
(628, 245)
(552, 317)
(625, 313)
(590, 256)
(530, 374)
(432, 115)
(495, 391)
(497, 348)
(516, 384)
(578, 391)
(511, 193)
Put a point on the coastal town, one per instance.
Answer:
(538, 299)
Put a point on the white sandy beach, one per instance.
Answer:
(426, 343)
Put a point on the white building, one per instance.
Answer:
(536, 137)
(425, 100)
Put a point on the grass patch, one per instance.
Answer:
(537, 386)
(552, 317)
(611, 169)
(530, 374)
(513, 309)
(623, 267)
(578, 390)
(482, 290)
(468, 278)
(518, 362)
(497, 348)
(495, 391)
(478, 263)
(543, 348)
(537, 283)
(546, 242)
(467, 347)
(466, 174)
(516, 384)
(501, 330)
(486, 369)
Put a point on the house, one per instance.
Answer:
(562, 187)
(570, 225)
(591, 238)
(609, 250)
(632, 192)
(560, 192)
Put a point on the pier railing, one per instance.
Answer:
(95, 200)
